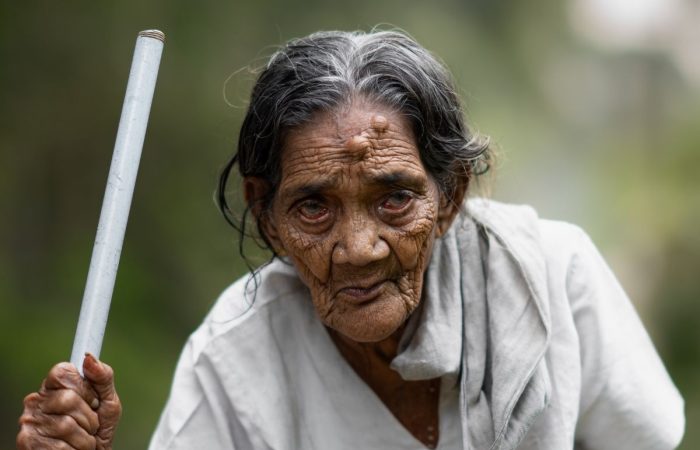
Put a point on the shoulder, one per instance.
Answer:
(558, 258)
(625, 397)
(527, 235)
(230, 367)
(275, 289)
(522, 220)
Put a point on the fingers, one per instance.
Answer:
(41, 430)
(70, 403)
(65, 376)
(28, 440)
(66, 429)
(101, 376)
(64, 391)
(70, 411)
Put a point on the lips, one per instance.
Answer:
(359, 294)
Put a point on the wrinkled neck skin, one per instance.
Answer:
(368, 354)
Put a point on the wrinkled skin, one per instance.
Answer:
(357, 214)
(69, 412)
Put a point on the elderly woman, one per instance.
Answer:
(393, 314)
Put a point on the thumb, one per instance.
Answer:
(101, 376)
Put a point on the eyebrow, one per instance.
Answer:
(396, 178)
(313, 188)
(400, 179)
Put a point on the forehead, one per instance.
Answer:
(361, 143)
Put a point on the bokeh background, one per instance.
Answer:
(594, 106)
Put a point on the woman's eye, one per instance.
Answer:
(396, 201)
(313, 211)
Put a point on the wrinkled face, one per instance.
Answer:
(357, 214)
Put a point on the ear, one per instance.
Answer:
(449, 208)
(255, 191)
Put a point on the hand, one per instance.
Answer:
(70, 412)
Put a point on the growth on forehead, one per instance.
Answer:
(358, 145)
(379, 123)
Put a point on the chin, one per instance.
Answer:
(373, 322)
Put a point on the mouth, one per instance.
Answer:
(359, 294)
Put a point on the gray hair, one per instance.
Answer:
(326, 70)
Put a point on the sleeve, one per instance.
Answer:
(628, 400)
(191, 418)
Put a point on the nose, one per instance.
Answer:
(359, 242)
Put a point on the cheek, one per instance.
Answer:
(310, 254)
(412, 243)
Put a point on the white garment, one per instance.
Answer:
(521, 316)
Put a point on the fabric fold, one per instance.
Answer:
(431, 346)
(504, 378)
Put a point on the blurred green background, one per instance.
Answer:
(594, 105)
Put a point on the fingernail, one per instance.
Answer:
(91, 360)
(89, 363)
(95, 403)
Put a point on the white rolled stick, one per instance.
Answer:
(117, 199)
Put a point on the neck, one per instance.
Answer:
(414, 403)
(368, 353)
